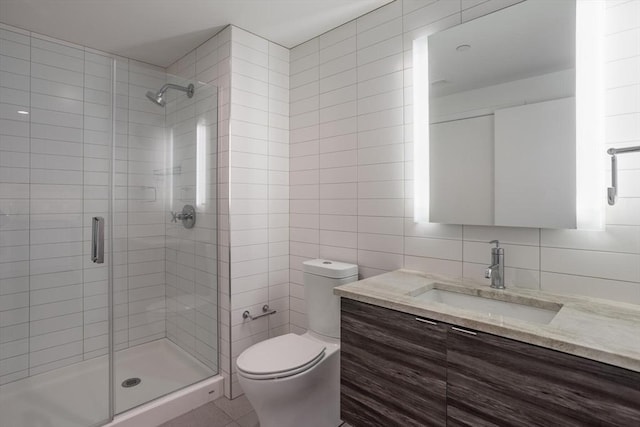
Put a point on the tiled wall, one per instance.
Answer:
(51, 298)
(140, 282)
(259, 191)
(55, 165)
(252, 76)
(191, 254)
(210, 64)
(351, 168)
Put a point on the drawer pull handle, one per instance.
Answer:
(463, 331)
(430, 322)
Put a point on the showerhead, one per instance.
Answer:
(158, 97)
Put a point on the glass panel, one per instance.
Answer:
(55, 164)
(166, 288)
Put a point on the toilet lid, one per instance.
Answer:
(279, 355)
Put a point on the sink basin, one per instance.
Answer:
(490, 306)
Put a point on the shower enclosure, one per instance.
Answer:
(82, 145)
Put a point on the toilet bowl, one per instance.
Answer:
(294, 380)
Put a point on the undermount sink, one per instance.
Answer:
(490, 306)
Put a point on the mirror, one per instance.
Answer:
(502, 118)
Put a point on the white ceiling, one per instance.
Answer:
(161, 31)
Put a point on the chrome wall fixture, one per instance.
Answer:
(495, 271)
(97, 240)
(265, 312)
(158, 97)
(612, 192)
(187, 216)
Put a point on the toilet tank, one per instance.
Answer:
(323, 307)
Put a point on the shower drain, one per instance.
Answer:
(131, 382)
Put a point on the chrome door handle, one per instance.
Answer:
(97, 239)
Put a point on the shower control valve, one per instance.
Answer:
(187, 216)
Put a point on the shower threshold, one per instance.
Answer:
(77, 395)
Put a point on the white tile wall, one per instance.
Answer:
(145, 232)
(252, 76)
(191, 254)
(55, 165)
(54, 177)
(258, 190)
(194, 255)
(351, 165)
(15, 51)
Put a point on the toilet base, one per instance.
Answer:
(307, 399)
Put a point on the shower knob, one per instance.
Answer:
(187, 216)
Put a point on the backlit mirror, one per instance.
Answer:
(502, 118)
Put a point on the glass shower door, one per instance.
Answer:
(166, 288)
(55, 178)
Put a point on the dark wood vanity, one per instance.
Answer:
(398, 369)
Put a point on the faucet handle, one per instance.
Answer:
(496, 242)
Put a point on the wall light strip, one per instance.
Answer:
(201, 163)
(590, 159)
(421, 130)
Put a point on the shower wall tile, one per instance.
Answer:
(97, 139)
(59, 64)
(191, 254)
(145, 229)
(54, 176)
(258, 191)
(195, 298)
(64, 146)
(14, 206)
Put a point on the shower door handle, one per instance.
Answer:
(97, 239)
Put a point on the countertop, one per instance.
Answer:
(596, 329)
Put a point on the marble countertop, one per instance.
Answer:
(596, 329)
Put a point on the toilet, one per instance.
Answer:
(294, 380)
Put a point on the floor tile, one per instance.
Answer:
(212, 416)
(220, 413)
(208, 415)
(235, 408)
(249, 420)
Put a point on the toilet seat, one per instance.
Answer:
(280, 357)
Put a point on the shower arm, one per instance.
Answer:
(612, 192)
(189, 89)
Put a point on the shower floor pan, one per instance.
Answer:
(77, 395)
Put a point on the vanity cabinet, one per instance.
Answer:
(393, 368)
(498, 381)
(400, 370)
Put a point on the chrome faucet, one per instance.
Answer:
(495, 271)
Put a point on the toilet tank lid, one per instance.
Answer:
(331, 269)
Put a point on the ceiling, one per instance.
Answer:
(161, 31)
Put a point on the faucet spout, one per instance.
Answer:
(489, 272)
(495, 271)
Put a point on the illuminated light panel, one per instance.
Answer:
(590, 152)
(421, 130)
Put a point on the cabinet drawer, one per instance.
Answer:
(393, 368)
(499, 381)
